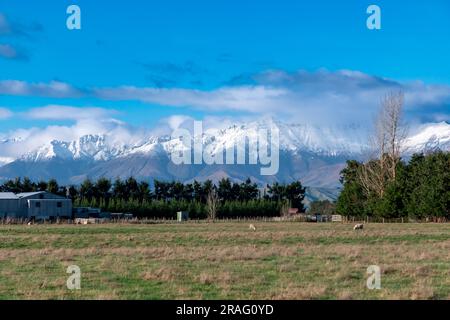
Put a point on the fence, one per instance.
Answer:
(297, 218)
(368, 219)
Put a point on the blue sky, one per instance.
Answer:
(141, 62)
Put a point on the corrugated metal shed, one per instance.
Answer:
(34, 205)
(8, 196)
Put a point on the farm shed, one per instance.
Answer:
(34, 205)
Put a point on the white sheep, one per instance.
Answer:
(252, 227)
(358, 226)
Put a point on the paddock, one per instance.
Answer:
(225, 260)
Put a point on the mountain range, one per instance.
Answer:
(308, 153)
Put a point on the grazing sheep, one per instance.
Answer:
(358, 226)
(252, 227)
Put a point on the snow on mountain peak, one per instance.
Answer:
(92, 147)
(294, 138)
(428, 137)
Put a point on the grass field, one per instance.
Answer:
(225, 260)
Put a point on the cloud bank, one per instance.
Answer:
(61, 112)
(321, 97)
(53, 89)
(85, 121)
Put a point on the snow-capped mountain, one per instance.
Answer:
(293, 138)
(5, 161)
(312, 154)
(89, 147)
(429, 137)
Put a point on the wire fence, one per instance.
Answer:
(296, 218)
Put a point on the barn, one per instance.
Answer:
(34, 205)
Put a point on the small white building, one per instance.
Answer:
(336, 218)
(34, 205)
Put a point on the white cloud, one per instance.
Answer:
(244, 98)
(176, 121)
(62, 112)
(5, 113)
(322, 97)
(53, 89)
(87, 121)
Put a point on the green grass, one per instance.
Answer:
(225, 260)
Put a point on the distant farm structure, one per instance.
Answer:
(34, 205)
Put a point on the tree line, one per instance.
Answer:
(164, 199)
(421, 189)
(387, 186)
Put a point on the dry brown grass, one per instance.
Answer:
(282, 260)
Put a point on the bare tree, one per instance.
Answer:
(387, 143)
(212, 203)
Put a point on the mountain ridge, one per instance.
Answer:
(313, 155)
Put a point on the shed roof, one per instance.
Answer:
(15, 196)
(29, 194)
(8, 196)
